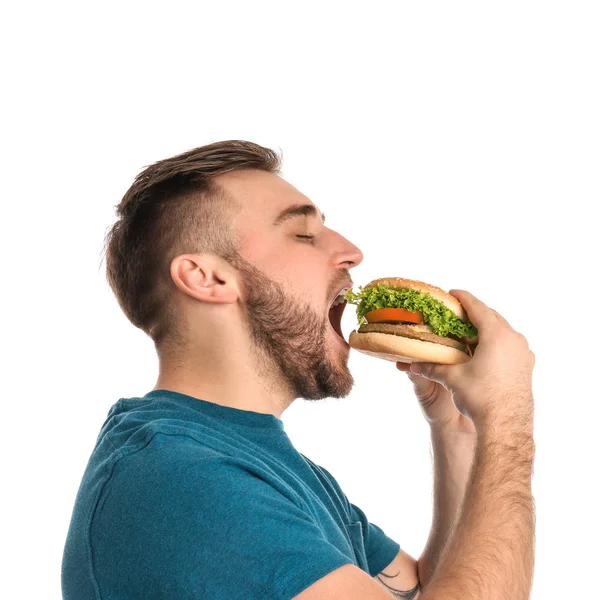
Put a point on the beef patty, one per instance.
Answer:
(416, 332)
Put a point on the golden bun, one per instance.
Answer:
(402, 349)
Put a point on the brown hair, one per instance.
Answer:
(174, 207)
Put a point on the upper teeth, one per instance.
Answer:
(340, 297)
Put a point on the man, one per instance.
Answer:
(195, 491)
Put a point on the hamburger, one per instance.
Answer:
(404, 320)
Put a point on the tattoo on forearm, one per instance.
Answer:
(400, 594)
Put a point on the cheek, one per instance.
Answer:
(252, 247)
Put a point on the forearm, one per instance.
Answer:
(452, 460)
(490, 553)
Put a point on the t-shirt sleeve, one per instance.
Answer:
(212, 528)
(379, 549)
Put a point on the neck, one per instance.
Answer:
(227, 378)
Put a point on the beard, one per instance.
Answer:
(293, 338)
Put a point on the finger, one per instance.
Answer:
(402, 366)
(501, 318)
(405, 367)
(442, 374)
(421, 384)
(481, 315)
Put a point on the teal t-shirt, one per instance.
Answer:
(184, 498)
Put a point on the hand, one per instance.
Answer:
(436, 403)
(495, 385)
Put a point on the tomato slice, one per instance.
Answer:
(400, 315)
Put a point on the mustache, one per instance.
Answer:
(343, 280)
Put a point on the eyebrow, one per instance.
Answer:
(296, 210)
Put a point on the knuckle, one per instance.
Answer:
(520, 339)
(494, 325)
(501, 330)
(455, 374)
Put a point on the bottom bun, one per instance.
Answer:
(402, 349)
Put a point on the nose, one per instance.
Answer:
(349, 253)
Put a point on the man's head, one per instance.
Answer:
(211, 244)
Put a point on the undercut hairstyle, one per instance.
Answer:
(175, 207)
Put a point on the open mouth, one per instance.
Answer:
(335, 317)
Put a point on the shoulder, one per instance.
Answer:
(173, 465)
(331, 483)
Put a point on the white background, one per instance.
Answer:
(453, 142)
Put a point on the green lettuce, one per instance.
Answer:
(435, 314)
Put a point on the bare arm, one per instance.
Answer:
(490, 553)
(452, 460)
(453, 448)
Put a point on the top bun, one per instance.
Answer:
(438, 293)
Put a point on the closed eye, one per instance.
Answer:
(306, 237)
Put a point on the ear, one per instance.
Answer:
(205, 277)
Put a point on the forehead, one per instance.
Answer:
(266, 200)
